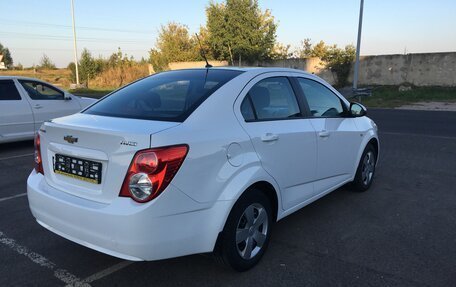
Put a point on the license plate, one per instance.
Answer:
(82, 169)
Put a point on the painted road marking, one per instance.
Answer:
(61, 274)
(101, 274)
(16, 156)
(13, 196)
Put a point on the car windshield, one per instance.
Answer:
(167, 96)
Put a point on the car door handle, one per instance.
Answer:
(323, 134)
(269, 137)
(37, 106)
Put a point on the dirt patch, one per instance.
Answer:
(430, 106)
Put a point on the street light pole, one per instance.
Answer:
(358, 46)
(74, 44)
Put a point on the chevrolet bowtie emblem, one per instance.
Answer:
(70, 139)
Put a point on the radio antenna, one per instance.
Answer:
(202, 52)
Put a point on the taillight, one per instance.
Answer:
(151, 171)
(38, 159)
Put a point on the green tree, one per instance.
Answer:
(281, 52)
(19, 66)
(174, 44)
(307, 49)
(120, 62)
(239, 29)
(205, 46)
(88, 66)
(320, 50)
(72, 67)
(46, 63)
(118, 59)
(158, 60)
(7, 59)
(339, 61)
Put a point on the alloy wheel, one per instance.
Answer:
(251, 231)
(368, 168)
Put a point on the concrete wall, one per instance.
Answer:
(310, 65)
(429, 69)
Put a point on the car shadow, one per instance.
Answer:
(15, 149)
(290, 238)
(15, 145)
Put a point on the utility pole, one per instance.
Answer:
(74, 43)
(358, 47)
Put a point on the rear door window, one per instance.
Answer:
(40, 91)
(168, 96)
(272, 99)
(8, 91)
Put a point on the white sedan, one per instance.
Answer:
(198, 160)
(26, 103)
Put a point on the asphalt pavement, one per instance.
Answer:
(402, 232)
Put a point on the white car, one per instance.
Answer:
(198, 160)
(26, 103)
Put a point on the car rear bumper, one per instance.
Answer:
(170, 226)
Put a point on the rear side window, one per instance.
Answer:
(8, 91)
(272, 99)
(168, 96)
(40, 91)
(322, 101)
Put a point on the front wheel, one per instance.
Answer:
(366, 169)
(247, 231)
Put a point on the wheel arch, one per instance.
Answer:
(374, 142)
(269, 190)
(262, 183)
(264, 186)
(372, 139)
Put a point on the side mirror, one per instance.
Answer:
(67, 97)
(357, 110)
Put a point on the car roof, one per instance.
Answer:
(258, 70)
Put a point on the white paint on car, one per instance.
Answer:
(207, 135)
(25, 103)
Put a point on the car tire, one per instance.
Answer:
(247, 231)
(366, 169)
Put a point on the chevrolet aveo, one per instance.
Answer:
(199, 160)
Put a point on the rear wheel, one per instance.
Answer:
(247, 231)
(366, 169)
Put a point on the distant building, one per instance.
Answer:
(2, 65)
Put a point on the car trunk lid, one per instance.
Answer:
(85, 143)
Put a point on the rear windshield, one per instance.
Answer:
(168, 96)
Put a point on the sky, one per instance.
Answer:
(33, 28)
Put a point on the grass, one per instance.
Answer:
(391, 97)
(57, 77)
